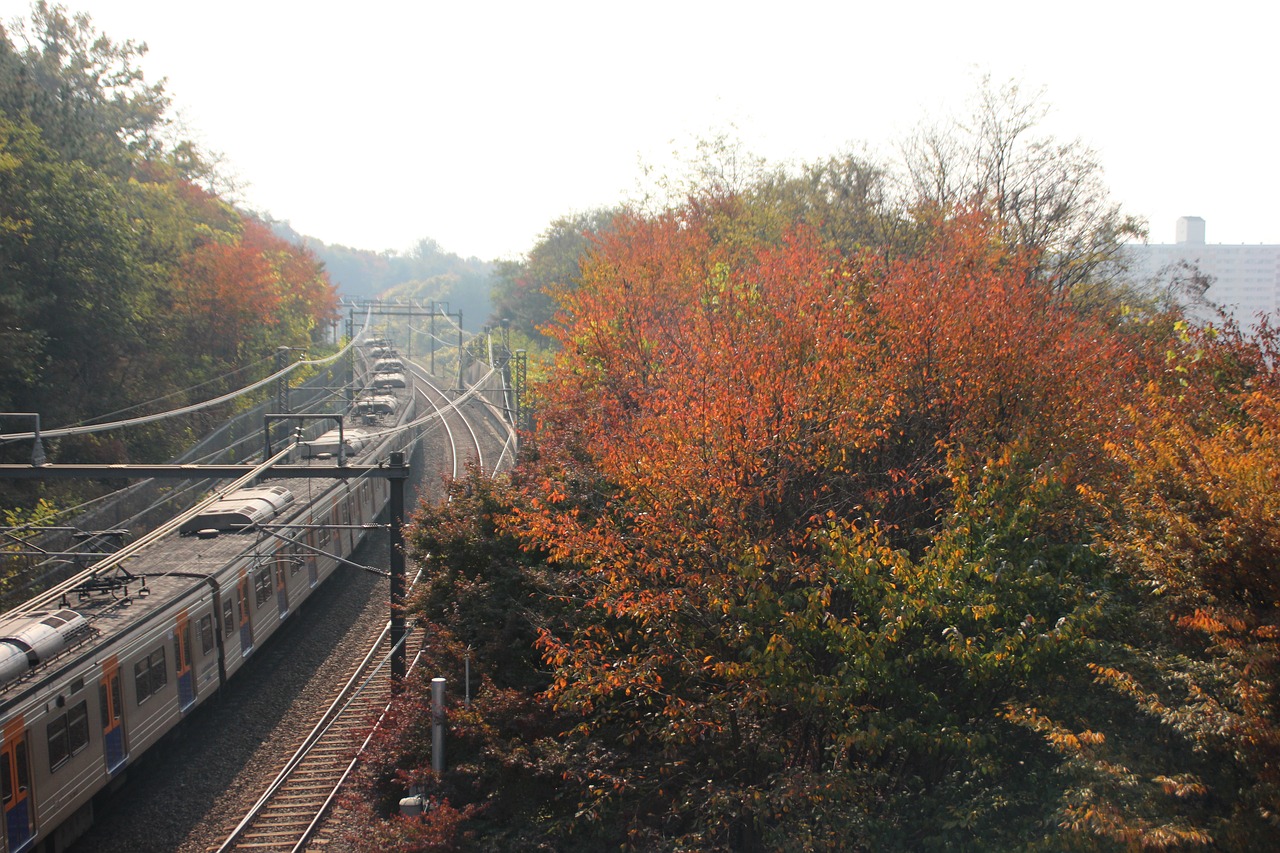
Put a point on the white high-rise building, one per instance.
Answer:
(1246, 279)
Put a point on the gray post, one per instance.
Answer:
(437, 725)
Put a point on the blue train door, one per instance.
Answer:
(246, 620)
(111, 701)
(15, 782)
(182, 660)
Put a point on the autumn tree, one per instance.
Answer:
(481, 600)
(847, 199)
(74, 285)
(237, 298)
(733, 452)
(1193, 522)
(101, 220)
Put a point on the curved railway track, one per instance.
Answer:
(451, 416)
(291, 813)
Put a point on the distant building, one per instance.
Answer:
(1246, 279)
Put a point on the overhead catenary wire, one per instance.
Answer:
(186, 390)
(196, 407)
(117, 558)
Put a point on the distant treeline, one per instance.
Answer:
(425, 273)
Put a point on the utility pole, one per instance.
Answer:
(282, 383)
(517, 381)
(433, 338)
(460, 388)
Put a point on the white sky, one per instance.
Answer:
(477, 123)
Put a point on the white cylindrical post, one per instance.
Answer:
(437, 725)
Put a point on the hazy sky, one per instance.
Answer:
(477, 123)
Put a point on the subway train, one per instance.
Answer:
(97, 671)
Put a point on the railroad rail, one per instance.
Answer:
(291, 812)
(292, 809)
(448, 410)
(290, 815)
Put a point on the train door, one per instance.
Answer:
(313, 573)
(182, 661)
(335, 521)
(282, 591)
(15, 786)
(318, 542)
(344, 520)
(111, 701)
(246, 620)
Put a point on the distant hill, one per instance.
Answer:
(425, 273)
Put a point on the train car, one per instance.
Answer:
(388, 380)
(95, 674)
(350, 442)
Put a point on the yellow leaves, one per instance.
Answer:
(1183, 786)
(982, 611)
(1114, 678)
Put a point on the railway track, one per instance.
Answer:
(290, 814)
(463, 443)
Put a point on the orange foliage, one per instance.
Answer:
(719, 405)
(225, 291)
(992, 355)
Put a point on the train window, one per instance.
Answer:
(262, 585)
(59, 750)
(6, 778)
(110, 708)
(228, 617)
(150, 675)
(206, 633)
(142, 680)
(68, 735)
(20, 757)
(78, 727)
